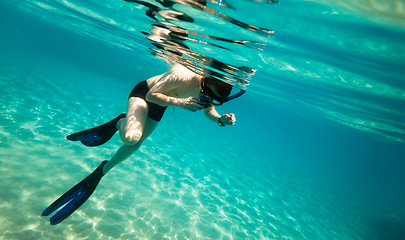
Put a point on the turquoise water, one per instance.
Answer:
(317, 151)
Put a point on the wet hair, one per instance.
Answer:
(223, 88)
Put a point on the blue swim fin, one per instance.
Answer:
(98, 135)
(75, 197)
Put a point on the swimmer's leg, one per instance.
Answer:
(127, 150)
(131, 127)
(134, 129)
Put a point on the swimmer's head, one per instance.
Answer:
(216, 92)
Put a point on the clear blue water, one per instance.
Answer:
(317, 152)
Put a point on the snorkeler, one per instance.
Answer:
(179, 87)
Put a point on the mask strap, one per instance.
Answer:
(203, 83)
(236, 95)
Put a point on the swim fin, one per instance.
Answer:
(75, 197)
(98, 135)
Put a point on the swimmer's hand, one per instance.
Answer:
(227, 119)
(190, 103)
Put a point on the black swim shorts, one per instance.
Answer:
(155, 111)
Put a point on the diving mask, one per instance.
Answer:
(208, 97)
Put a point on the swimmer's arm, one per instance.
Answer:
(158, 95)
(212, 114)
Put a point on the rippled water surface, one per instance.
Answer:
(317, 151)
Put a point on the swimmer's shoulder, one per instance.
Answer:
(178, 74)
